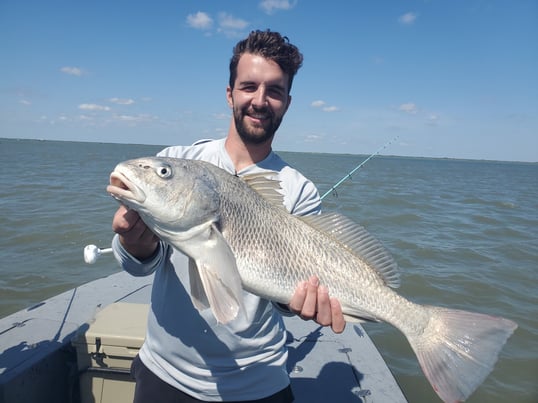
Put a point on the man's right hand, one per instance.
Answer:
(135, 236)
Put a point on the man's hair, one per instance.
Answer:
(272, 46)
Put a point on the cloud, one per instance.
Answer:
(321, 104)
(331, 109)
(311, 138)
(25, 102)
(227, 24)
(141, 118)
(270, 6)
(200, 20)
(432, 119)
(221, 116)
(93, 107)
(230, 25)
(121, 101)
(408, 108)
(407, 18)
(72, 71)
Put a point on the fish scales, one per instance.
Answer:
(275, 253)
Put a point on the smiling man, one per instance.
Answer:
(259, 99)
(187, 355)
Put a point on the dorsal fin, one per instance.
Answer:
(360, 242)
(350, 234)
(267, 185)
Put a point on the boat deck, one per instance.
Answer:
(38, 362)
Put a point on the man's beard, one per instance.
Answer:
(259, 134)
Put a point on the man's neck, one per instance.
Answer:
(244, 155)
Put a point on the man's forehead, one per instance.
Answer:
(256, 68)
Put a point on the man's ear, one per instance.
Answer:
(229, 98)
(289, 102)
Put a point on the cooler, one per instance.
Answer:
(106, 350)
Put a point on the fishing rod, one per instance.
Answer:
(92, 252)
(333, 189)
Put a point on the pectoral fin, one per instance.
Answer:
(214, 277)
(198, 296)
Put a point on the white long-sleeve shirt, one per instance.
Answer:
(188, 349)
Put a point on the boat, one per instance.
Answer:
(78, 346)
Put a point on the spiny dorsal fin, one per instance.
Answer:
(267, 185)
(360, 242)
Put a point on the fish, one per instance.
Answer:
(239, 236)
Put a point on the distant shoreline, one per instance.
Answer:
(284, 151)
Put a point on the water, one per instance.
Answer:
(465, 234)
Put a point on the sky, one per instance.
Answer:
(449, 79)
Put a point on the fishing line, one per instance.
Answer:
(333, 189)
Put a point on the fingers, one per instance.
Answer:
(303, 301)
(298, 298)
(324, 313)
(338, 322)
(311, 301)
(129, 226)
(309, 308)
(329, 311)
(124, 220)
(134, 234)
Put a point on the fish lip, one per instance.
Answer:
(122, 189)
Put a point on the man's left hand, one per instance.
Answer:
(311, 301)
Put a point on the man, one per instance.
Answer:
(187, 356)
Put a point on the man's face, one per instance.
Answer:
(259, 99)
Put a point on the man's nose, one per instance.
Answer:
(260, 97)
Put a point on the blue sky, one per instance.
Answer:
(449, 78)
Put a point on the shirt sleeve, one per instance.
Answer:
(137, 267)
(300, 194)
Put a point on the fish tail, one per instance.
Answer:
(458, 349)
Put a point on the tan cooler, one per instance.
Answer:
(106, 350)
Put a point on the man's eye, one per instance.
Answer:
(276, 93)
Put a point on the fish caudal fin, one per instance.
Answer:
(458, 349)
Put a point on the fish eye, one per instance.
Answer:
(164, 171)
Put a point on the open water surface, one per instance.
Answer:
(465, 234)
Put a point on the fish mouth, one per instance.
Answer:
(123, 190)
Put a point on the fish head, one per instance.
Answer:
(171, 195)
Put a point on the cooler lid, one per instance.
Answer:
(119, 324)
